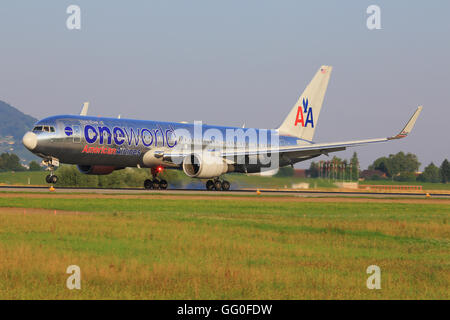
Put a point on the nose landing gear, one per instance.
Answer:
(51, 164)
(217, 185)
(156, 184)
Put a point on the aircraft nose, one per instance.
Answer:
(29, 140)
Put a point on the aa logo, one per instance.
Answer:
(303, 112)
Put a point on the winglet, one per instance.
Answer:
(409, 126)
(85, 108)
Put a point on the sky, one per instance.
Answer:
(234, 62)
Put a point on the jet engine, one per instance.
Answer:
(99, 170)
(204, 166)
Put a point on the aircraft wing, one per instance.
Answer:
(297, 151)
(324, 148)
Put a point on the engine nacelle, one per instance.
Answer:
(153, 158)
(204, 166)
(99, 170)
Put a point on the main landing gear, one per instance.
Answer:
(154, 183)
(217, 185)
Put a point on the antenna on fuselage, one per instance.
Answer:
(85, 108)
(119, 116)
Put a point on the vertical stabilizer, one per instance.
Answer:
(302, 120)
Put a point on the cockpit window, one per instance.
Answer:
(44, 128)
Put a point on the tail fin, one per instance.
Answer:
(302, 120)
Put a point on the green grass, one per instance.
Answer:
(243, 181)
(223, 249)
(21, 177)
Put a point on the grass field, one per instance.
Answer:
(243, 181)
(170, 247)
(23, 177)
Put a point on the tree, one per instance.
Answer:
(10, 162)
(313, 170)
(287, 171)
(354, 163)
(382, 164)
(444, 171)
(430, 174)
(404, 163)
(34, 166)
(405, 176)
(396, 164)
(71, 176)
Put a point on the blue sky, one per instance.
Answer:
(230, 62)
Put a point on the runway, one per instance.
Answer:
(247, 192)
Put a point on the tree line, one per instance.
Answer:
(404, 167)
(11, 162)
(397, 167)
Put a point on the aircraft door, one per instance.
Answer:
(76, 134)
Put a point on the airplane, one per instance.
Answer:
(100, 145)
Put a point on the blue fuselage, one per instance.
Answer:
(118, 142)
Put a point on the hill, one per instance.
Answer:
(13, 125)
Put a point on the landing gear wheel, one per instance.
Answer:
(163, 184)
(51, 179)
(209, 185)
(154, 183)
(218, 185)
(148, 184)
(225, 185)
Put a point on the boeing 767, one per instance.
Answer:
(99, 145)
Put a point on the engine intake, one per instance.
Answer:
(204, 166)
